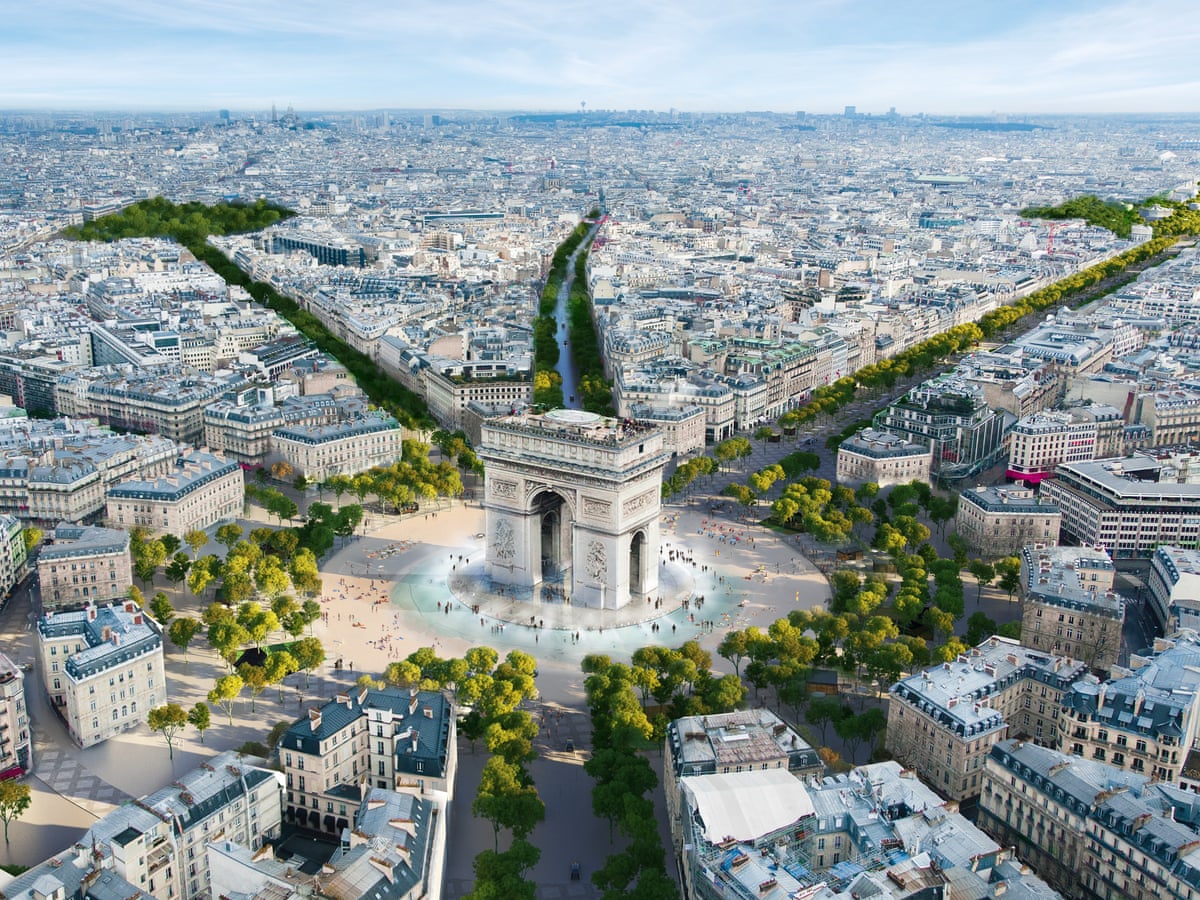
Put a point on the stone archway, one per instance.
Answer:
(573, 498)
(637, 562)
(555, 527)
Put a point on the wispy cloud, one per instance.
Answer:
(935, 55)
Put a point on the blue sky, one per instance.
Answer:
(935, 56)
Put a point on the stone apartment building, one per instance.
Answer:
(1175, 587)
(82, 564)
(944, 720)
(16, 740)
(1039, 442)
(1145, 718)
(1092, 830)
(882, 458)
(1070, 607)
(155, 846)
(343, 448)
(102, 667)
(202, 490)
(999, 521)
(395, 849)
(398, 740)
(12, 553)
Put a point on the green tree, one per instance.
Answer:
(225, 693)
(735, 646)
(506, 800)
(278, 730)
(177, 569)
(229, 534)
(149, 557)
(255, 678)
(823, 712)
(168, 720)
(1010, 630)
(979, 627)
(15, 797)
(309, 654)
(1008, 572)
(196, 541)
(32, 536)
(279, 665)
(181, 632)
(983, 574)
(161, 609)
(200, 718)
(227, 637)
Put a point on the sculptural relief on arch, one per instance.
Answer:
(573, 500)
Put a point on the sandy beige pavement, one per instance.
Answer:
(386, 593)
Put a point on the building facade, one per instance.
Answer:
(1146, 718)
(1122, 505)
(156, 844)
(943, 721)
(997, 521)
(882, 458)
(83, 564)
(12, 553)
(346, 448)
(950, 416)
(1040, 442)
(397, 740)
(1070, 607)
(102, 667)
(202, 490)
(1091, 830)
(1174, 598)
(395, 849)
(16, 739)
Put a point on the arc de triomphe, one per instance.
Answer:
(573, 498)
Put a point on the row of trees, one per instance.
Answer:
(507, 796)
(595, 391)
(191, 224)
(691, 470)
(547, 383)
(922, 357)
(185, 222)
(624, 783)
(414, 477)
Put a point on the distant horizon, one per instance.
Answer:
(243, 112)
(1075, 57)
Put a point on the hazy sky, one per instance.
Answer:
(936, 56)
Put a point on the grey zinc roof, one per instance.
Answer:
(78, 540)
(388, 848)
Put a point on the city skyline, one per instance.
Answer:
(935, 57)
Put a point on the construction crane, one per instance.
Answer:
(1050, 240)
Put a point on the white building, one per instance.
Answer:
(1122, 505)
(83, 564)
(395, 849)
(202, 490)
(16, 742)
(102, 667)
(999, 521)
(342, 448)
(12, 553)
(1039, 442)
(882, 458)
(1175, 588)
